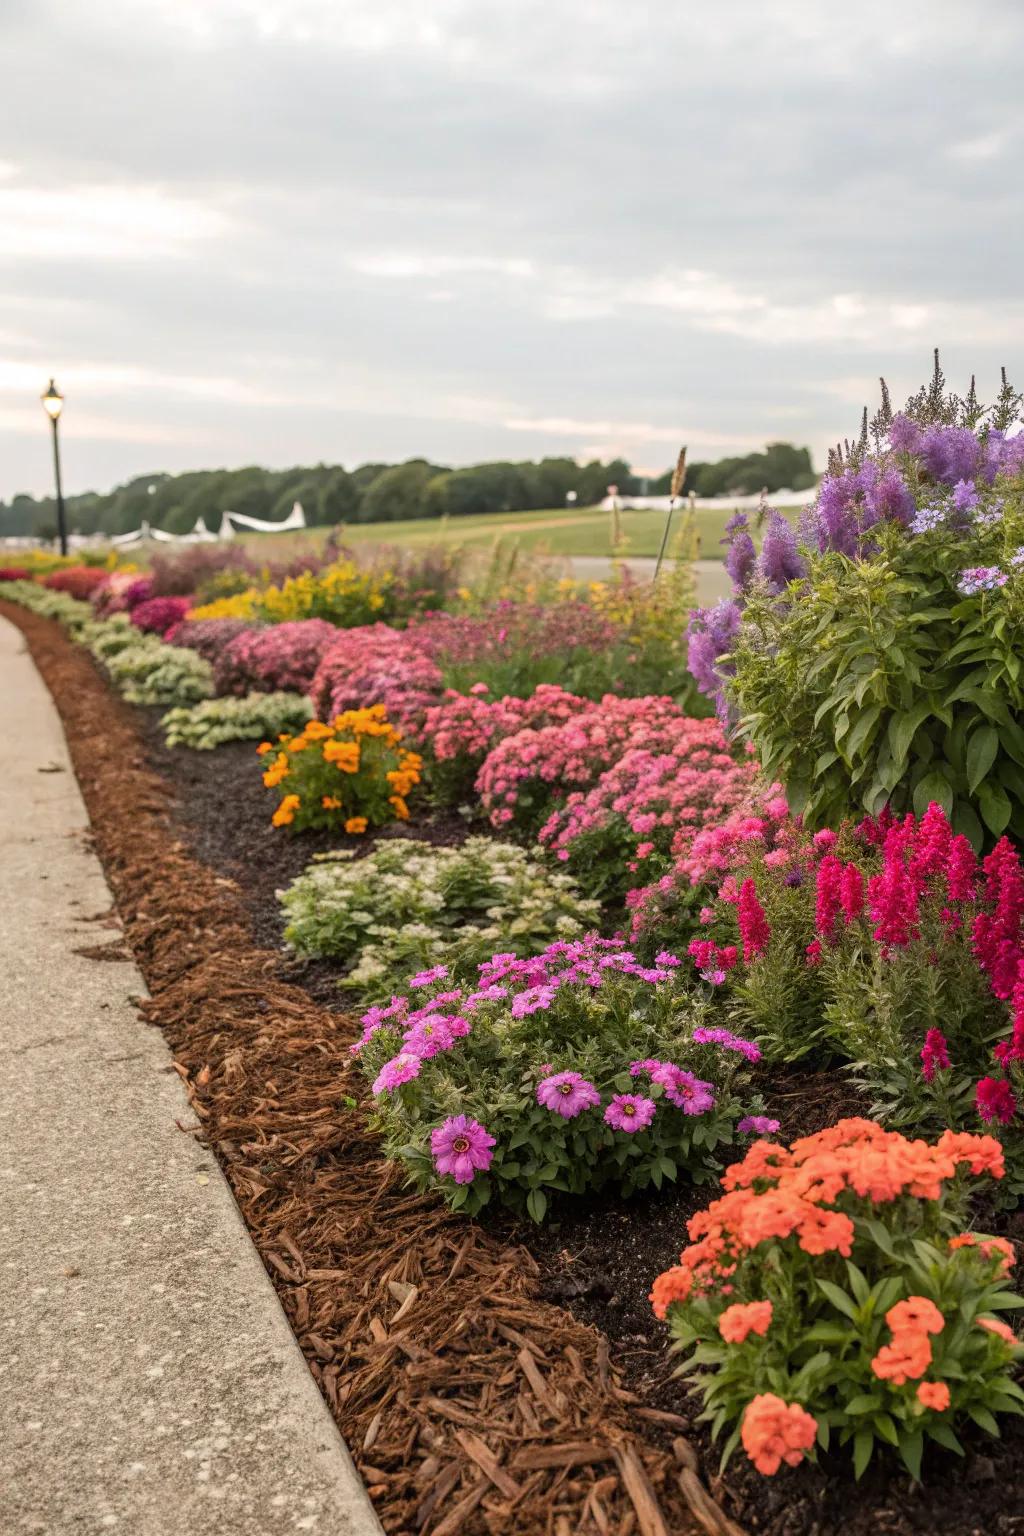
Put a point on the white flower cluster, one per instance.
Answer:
(256, 717)
(408, 906)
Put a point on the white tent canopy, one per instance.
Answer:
(201, 534)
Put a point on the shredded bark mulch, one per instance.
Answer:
(483, 1385)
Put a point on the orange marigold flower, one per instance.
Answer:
(285, 813)
(400, 808)
(965, 1240)
(264, 747)
(774, 1432)
(743, 1318)
(933, 1394)
(356, 824)
(906, 1358)
(331, 803)
(999, 1328)
(674, 1285)
(915, 1315)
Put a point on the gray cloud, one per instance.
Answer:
(283, 230)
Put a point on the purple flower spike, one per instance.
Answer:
(461, 1147)
(568, 1094)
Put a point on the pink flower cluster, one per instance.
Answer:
(160, 615)
(468, 725)
(657, 796)
(375, 664)
(541, 764)
(210, 638)
(120, 592)
(282, 657)
(760, 828)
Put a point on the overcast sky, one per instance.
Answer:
(284, 231)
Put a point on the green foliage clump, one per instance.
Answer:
(881, 681)
(149, 672)
(254, 717)
(408, 906)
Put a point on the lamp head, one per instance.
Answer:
(53, 401)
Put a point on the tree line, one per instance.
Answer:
(377, 493)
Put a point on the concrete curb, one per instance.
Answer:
(149, 1381)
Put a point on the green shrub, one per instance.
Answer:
(408, 906)
(213, 722)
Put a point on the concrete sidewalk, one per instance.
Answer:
(149, 1381)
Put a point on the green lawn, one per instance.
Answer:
(555, 532)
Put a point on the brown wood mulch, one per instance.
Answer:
(470, 1405)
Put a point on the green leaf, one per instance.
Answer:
(865, 724)
(864, 1402)
(903, 727)
(943, 1435)
(995, 807)
(838, 1297)
(934, 786)
(537, 1204)
(911, 1447)
(981, 754)
(984, 1419)
(863, 1445)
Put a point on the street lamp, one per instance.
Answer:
(53, 404)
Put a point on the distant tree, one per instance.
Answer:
(398, 493)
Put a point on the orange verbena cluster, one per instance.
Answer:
(910, 1353)
(777, 1192)
(775, 1432)
(744, 1318)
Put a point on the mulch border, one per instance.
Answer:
(470, 1405)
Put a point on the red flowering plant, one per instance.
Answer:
(831, 1296)
(571, 1070)
(887, 944)
(79, 581)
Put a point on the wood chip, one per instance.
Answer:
(488, 1463)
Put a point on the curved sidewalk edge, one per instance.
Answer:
(149, 1381)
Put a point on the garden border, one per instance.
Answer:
(489, 1410)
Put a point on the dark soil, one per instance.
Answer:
(597, 1258)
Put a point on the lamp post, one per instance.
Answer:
(53, 404)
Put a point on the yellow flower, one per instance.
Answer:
(285, 813)
(356, 824)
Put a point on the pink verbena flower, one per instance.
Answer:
(757, 1125)
(630, 1112)
(568, 1094)
(461, 1147)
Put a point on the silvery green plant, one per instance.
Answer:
(150, 672)
(407, 906)
(255, 717)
